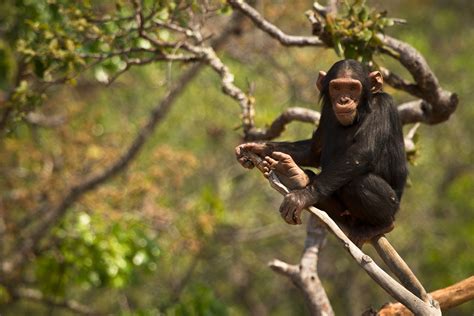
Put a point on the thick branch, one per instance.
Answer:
(278, 125)
(399, 267)
(272, 30)
(441, 103)
(305, 276)
(399, 83)
(447, 298)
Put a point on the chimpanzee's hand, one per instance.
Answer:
(294, 203)
(261, 149)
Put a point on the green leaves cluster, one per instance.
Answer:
(353, 34)
(48, 42)
(91, 252)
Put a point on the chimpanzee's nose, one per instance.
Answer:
(344, 100)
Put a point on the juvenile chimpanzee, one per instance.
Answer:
(359, 147)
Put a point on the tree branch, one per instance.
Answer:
(277, 127)
(399, 83)
(271, 29)
(438, 104)
(447, 298)
(305, 276)
(227, 81)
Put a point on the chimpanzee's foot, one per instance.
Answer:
(289, 173)
(362, 234)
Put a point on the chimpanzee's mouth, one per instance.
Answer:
(344, 110)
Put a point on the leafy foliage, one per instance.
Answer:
(354, 32)
(56, 40)
(89, 252)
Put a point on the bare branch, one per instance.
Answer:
(439, 104)
(399, 267)
(278, 125)
(447, 298)
(35, 295)
(399, 83)
(414, 111)
(305, 276)
(271, 29)
(227, 81)
(176, 28)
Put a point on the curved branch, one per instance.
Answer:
(439, 104)
(414, 111)
(227, 81)
(305, 276)
(271, 29)
(277, 127)
(399, 83)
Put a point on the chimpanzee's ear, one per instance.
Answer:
(319, 82)
(376, 81)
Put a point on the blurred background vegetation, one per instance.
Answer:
(185, 230)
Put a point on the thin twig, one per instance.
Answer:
(277, 127)
(271, 29)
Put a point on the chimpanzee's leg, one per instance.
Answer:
(372, 203)
(337, 211)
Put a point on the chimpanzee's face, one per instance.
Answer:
(345, 94)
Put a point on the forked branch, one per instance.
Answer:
(305, 275)
(447, 298)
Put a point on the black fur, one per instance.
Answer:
(363, 166)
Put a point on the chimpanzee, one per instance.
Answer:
(359, 147)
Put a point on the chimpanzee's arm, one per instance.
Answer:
(356, 161)
(304, 152)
